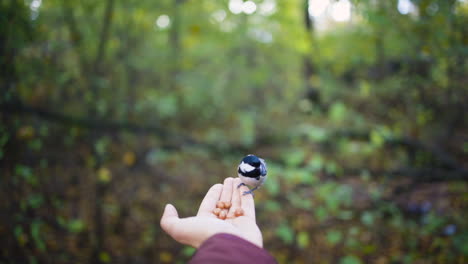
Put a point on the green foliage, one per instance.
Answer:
(461, 242)
(104, 257)
(36, 235)
(72, 225)
(368, 218)
(350, 260)
(188, 251)
(26, 173)
(76, 226)
(285, 233)
(334, 237)
(303, 239)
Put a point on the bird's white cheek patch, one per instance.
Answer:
(246, 167)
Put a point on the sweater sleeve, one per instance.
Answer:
(226, 248)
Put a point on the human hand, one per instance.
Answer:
(195, 230)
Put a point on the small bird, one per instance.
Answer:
(252, 171)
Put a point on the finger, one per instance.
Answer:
(247, 202)
(226, 195)
(236, 200)
(169, 219)
(209, 202)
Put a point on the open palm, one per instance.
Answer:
(195, 230)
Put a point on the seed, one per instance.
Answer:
(220, 204)
(227, 205)
(222, 215)
(216, 211)
(239, 212)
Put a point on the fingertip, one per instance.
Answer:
(170, 212)
(228, 179)
(217, 186)
(169, 208)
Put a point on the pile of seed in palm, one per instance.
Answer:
(222, 210)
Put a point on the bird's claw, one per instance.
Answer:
(249, 192)
(241, 184)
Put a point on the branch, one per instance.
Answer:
(90, 123)
(443, 157)
(104, 34)
(417, 174)
(76, 37)
(170, 139)
(446, 160)
(433, 174)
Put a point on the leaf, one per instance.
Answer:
(367, 218)
(35, 144)
(350, 259)
(365, 89)
(129, 158)
(188, 251)
(345, 215)
(461, 243)
(316, 163)
(101, 145)
(76, 225)
(334, 237)
(331, 167)
(368, 249)
(166, 257)
(337, 112)
(104, 175)
(303, 239)
(272, 206)
(36, 235)
(294, 158)
(35, 201)
(321, 213)
(27, 174)
(167, 105)
(298, 201)
(156, 156)
(104, 257)
(26, 132)
(18, 231)
(306, 177)
(314, 133)
(376, 138)
(285, 233)
(4, 139)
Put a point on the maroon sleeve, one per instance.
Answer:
(225, 248)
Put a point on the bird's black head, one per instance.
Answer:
(252, 166)
(252, 160)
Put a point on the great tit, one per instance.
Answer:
(252, 171)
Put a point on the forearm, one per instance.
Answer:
(226, 248)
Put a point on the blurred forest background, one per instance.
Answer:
(111, 109)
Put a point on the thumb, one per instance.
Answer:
(169, 219)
